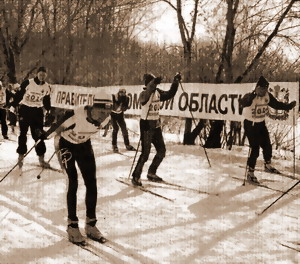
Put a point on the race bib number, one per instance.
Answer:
(260, 111)
(154, 107)
(79, 137)
(33, 97)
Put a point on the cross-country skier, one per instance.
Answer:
(4, 101)
(12, 113)
(150, 125)
(120, 105)
(32, 98)
(256, 106)
(74, 146)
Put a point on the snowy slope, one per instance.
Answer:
(220, 227)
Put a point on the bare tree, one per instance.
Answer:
(17, 21)
(226, 59)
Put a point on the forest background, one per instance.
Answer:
(114, 42)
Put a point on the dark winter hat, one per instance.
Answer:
(122, 90)
(262, 82)
(41, 69)
(148, 77)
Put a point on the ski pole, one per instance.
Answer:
(279, 197)
(39, 175)
(244, 183)
(294, 143)
(194, 121)
(37, 142)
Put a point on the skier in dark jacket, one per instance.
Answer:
(256, 106)
(74, 131)
(120, 105)
(150, 126)
(4, 101)
(33, 97)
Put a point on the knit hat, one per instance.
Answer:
(41, 69)
(123, 90)
(262, 82)
(148, 78)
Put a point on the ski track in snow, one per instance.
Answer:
(143, 228)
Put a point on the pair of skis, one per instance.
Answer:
(20, 170)
(115, 253)
(178, 186)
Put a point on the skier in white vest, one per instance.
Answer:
(32, 98)
(150, 126)
(256, 106)
(73, 146)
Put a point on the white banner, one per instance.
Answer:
(202, 100)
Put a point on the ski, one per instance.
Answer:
(179, 186)
(281, 174)
(259, 185)
(85, 246)
(49, 168)
(144, 190)
(293, 246)
(276, 173)
(112, 250)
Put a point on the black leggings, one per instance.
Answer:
(258, 136)
(83, 154)
(33, 118)
(117, 120)
(154, 136)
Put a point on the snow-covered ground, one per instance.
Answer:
(223, 226)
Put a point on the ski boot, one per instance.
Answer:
(136, 181)
(115, 149)
(270, 168)
(92, 231)
(74, 234)
(5, 137)
(131, 148)
(153, 177)
(20, 161)
(251, 178)
(43, 163)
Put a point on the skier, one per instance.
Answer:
(120, 105)
(150, 126)
(4, 100)
(34, 94)
(12, 113)
(74, 130)
(255, 106)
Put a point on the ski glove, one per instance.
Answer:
(41, 134)
(177, 77)
(292, 105)
(157, 80)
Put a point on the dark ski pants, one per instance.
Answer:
(258, 136)
(154, 136)
(83, 155)
(33, 118)
(118, 120)
(4, 127)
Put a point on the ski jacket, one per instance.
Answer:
(33, 93)
(256, 107)
(120, 103)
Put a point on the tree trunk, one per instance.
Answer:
(214, 138)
